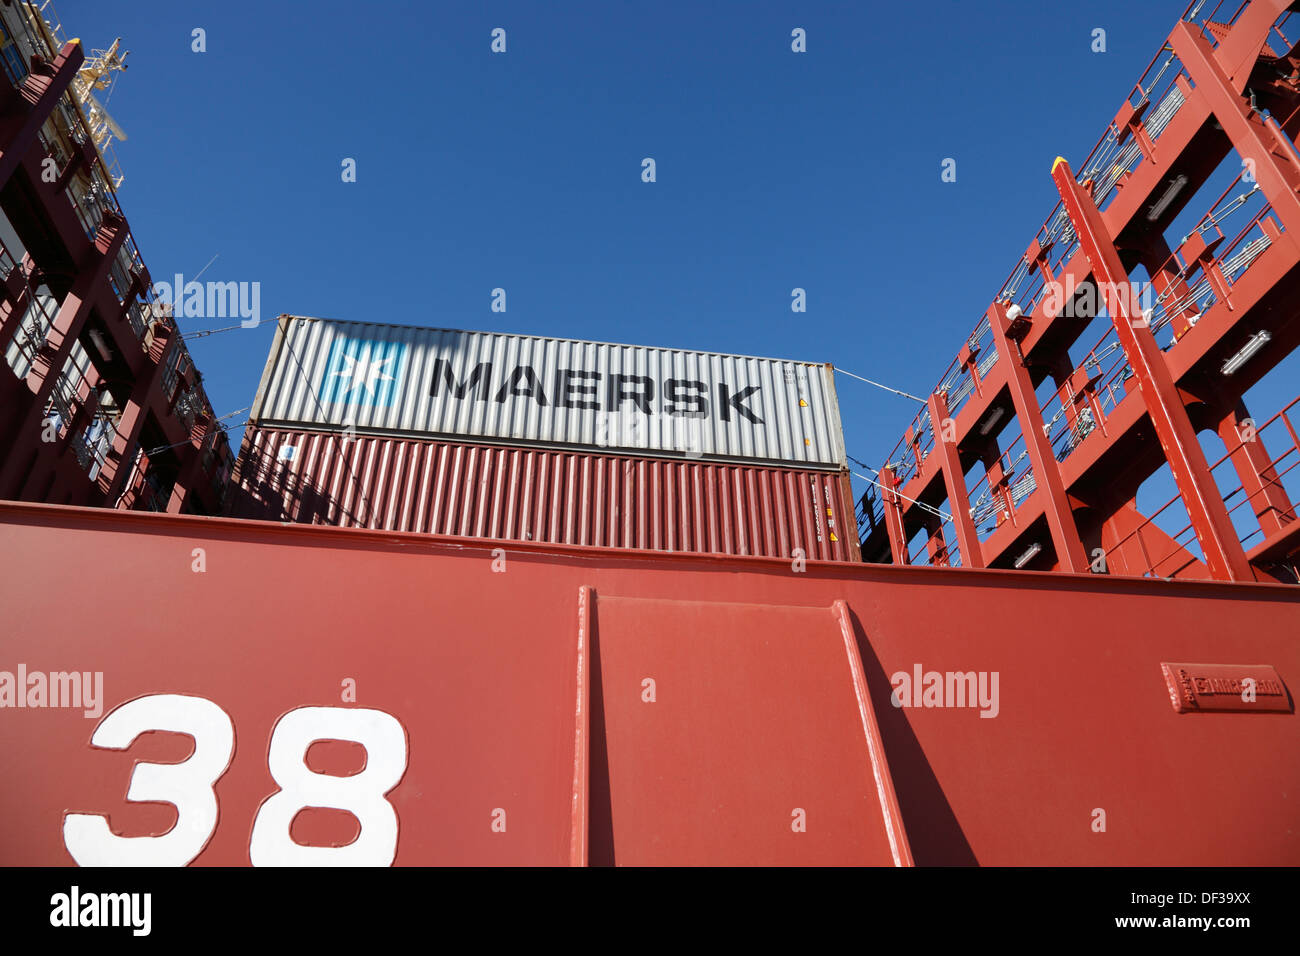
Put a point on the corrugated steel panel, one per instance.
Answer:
(535, 494)
(520, 389)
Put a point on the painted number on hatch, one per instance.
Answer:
(190, 785)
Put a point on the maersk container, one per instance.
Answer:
(525, 390)
(543, 495)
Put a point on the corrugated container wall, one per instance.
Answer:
(517, 390)
(536, 494)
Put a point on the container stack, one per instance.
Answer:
(524, 438)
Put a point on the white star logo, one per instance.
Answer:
(365, 373)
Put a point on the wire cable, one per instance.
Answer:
(334, 436)
(203, 333)
(878, 385)
(920, 504)
(216, 421)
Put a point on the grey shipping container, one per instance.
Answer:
(563, 393)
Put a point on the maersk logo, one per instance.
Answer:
(576, 388)
(362, 372)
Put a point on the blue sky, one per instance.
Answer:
(522, 170)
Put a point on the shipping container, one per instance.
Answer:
(543, 495)
(520, 389)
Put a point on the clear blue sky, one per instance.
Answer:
(775, 170)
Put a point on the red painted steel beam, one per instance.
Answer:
(69, 475)
(1251, 137)
(1218, 539)
(1135, 545)
(42, 90)
(190, 476)
(1268, 498)
(1167, 279)
(1068, 545)
(954, 480)
(893, 508)
(1283, 545)
(579, 818)
(1241, 46)
(935, 545)
(121, 456)
(16, 297)
(895, 829)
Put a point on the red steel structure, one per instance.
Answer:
(1190, 323)
(100, 403)
(542, 495)
(577, 705)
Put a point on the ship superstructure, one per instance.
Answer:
(100, 402)
(1125, 338)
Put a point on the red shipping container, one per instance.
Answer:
(539, 494)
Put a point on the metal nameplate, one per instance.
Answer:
(1195, 688)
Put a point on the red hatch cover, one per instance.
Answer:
(737, 734)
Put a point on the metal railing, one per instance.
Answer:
(1118, 153)
(33, 330)
(177, 365)
(1191, 290)
(1071, 414)
(992, 506)
(1197, 13)
(153, 494)
(188, 407)
(1174, 560)
(93, 444)
(946, 556)
(66, 396)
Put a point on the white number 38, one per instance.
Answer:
(189, 785)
